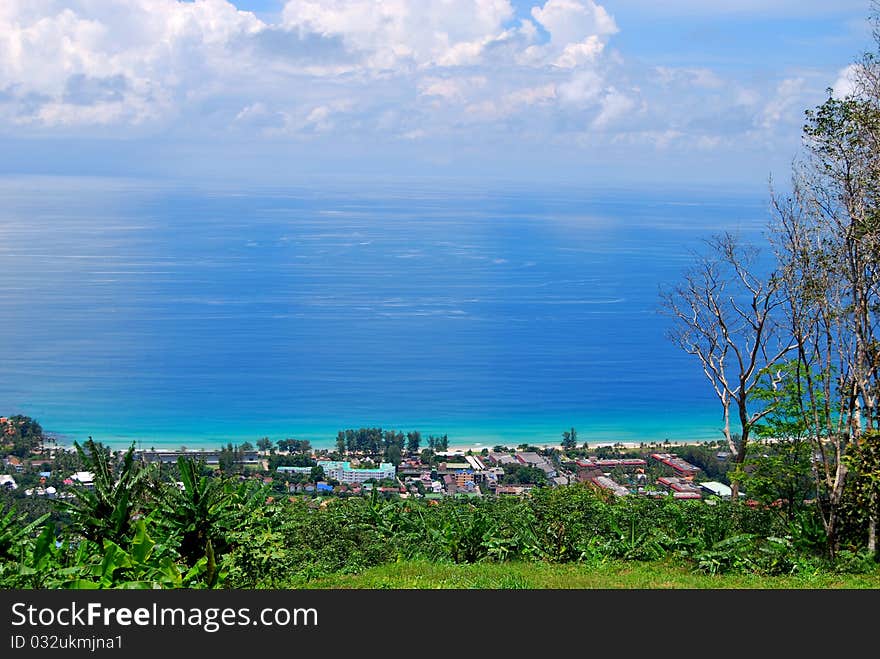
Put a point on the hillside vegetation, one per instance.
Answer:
(139, 528)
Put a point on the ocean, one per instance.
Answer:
(167, 314)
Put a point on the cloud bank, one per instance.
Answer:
(412, 71)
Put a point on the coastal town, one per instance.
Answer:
(40, 468)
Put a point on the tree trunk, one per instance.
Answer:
(738, 461)
(872, 534)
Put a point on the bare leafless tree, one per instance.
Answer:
(726, 315)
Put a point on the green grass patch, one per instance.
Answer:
(611, 575)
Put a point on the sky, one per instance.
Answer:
(614, 91)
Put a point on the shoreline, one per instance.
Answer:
(631, 433)
(194, 442)
(476, 448)
(452, 449)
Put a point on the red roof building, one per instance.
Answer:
(681, 466)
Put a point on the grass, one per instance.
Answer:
(611, 575)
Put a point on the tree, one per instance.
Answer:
(26, 435)
(725, 314)
(438, 443)
(390, 438)
(827, 240)
(864, 462)
(199, 516)
(427, 455)
(292, 460)
(393, 455)
(413, 441)
(246, 446)
(569, 439)
(106, 510)
(780, 469)
(227, 458)
(523, 474)
(264, 444)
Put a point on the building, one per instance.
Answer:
(450, 484)
(588, 475)
(464, 480)
(8, 482)
(295, 470)
(48, 492)
(345, 473)
(607, 484)
(12, 462)
(455, 467)
(514, 489)
(85, 478)
(714, 488)
(683, 467)
(475, 462)
(414, 470)
(680, 485)
(211, 457)
(532, 459)
(501, 458)
(610, 463)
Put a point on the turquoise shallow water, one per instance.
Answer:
(167, 315)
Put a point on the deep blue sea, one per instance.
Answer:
(179, 315)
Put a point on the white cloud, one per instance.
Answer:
(695, 76)
(582, 89)
(614, 105)
(260, 117)
(747, 97)
(533, 95)
(395, 32)
(406, 70)
(579, 30)
(573, 21)
(846, 81)
(788, 99)
(154, 47)
(575, 54)
(451, 89)
(129, 62)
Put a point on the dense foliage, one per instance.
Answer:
(138, 529)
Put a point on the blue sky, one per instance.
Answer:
(614, 91)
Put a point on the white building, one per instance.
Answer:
(475, 462)
(717, 489)
(345, 473)
(86, 478)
